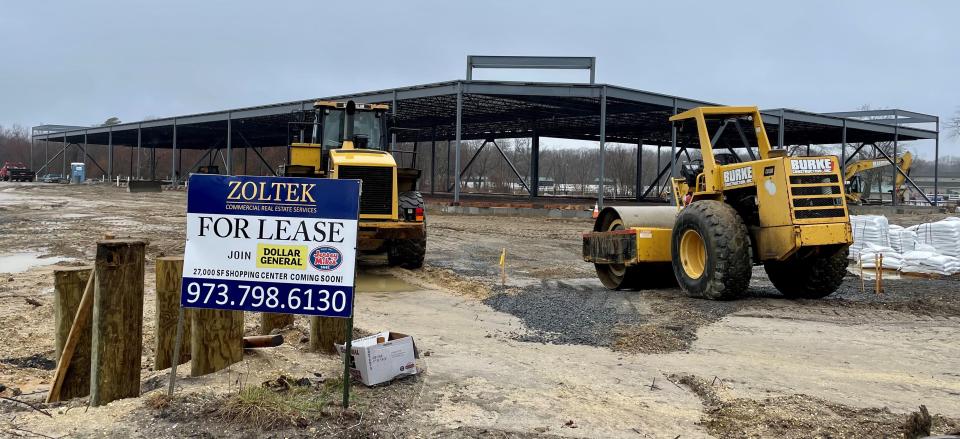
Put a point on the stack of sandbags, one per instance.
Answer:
(925, 259)
(902, 240)
(942, 235)
(892, 260)
(868, 229)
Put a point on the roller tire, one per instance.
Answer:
(727, 262)
(408, 253)
(815, 276)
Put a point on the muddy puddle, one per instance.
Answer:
(20, 262)
(381, 283)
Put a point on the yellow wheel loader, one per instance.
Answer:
(350, 140)
(788, 214)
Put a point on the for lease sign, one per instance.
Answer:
(271, 244)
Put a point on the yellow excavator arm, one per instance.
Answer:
(904, 161)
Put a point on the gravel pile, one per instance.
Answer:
(564, 314)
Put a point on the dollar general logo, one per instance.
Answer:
(735, 177)
(325, 258)
(811, 166)
(291, 257)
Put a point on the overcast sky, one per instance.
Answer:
(82, 62)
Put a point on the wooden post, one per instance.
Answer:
(216, 340)
(325, 332)
(68, 286)
(169, 274)
(117, 340)
(270, 321)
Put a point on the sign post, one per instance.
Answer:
(271, 244)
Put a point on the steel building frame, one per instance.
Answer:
(469, 109)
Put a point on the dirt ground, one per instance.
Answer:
(548, 354)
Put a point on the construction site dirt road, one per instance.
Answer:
(549, 353)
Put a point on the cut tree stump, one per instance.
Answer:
(325, 332)
(117, 337)
(270, 321)
(216, 340)
(169, 274)
(68, 288)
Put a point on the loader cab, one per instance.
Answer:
(351, 125)
(331, 126)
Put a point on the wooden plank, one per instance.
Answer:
(68, 287)
(80, 320)
(117, 340)
(169, 271)
(216, 340)
(325, 332)
(262, 341)
(270, 321)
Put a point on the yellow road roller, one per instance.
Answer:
(731, 213)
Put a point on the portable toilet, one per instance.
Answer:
(78, 172)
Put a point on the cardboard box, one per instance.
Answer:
(374, 363)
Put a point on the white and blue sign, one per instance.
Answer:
(271, 244)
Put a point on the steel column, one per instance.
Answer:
(64, 155)
(138, 153)
(781, 129)
(936, 164)
(603, 141)
(449, 168)
(896, 166)
(639, 185)
(456, 186)
(393, 110)
(843, 153)
(673, 143)
(173, 157)
(433, 160)
(230, 146)
(31, 155)
(109, 153)
(535, 165)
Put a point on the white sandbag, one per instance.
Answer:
(929, 262)
(902, 240)
(868, 229)
(943, 235)
(892, 260)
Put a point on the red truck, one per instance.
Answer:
(15, 171)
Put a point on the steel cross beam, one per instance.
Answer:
(514, 168)
(85, 153)
(245, 142)
(905, 176)
(62, 150)
(663, 171)
(470, 162)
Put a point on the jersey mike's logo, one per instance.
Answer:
(325, 258)
(811, 166)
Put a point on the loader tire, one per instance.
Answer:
(811, 276)
(710, 248)
(408, 253)
(409, 200)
